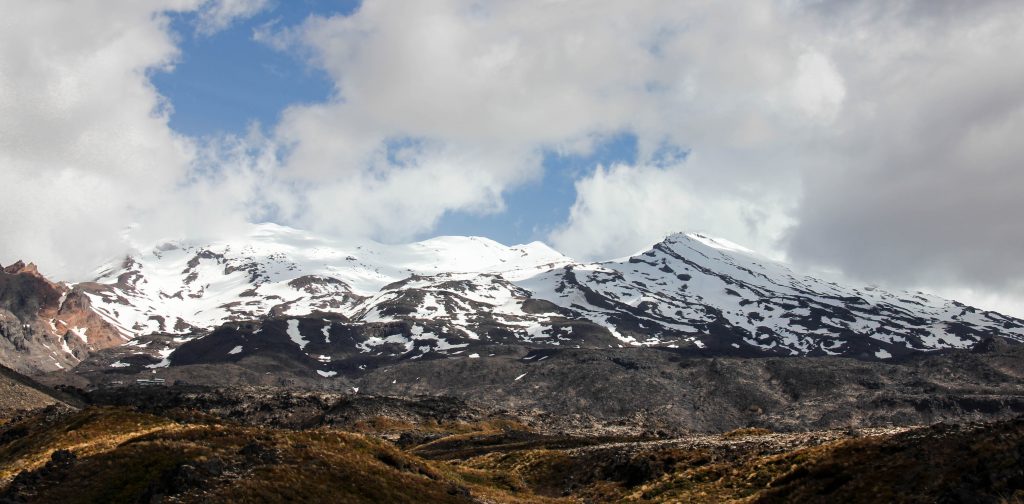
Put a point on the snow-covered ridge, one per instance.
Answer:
(690, 290)
(179, 287)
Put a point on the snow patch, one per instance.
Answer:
(295, 335)
(165, 359)
(326, 330)
(376, 341)
(64, 346)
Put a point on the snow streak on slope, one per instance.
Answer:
(444, 294)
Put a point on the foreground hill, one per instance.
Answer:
(107, 454)
(20, 395)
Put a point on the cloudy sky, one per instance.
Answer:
(878, 141)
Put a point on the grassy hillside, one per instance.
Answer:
(116, 454)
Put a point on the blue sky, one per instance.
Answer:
(226, 81)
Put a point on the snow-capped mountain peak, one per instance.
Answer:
(442, 294)
(184, 286)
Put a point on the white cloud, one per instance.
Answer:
(216, 15)
(920, 183)
(399, 201)
(624, 209)
(892, 124)
(85, 148)
(488, 86)
(818, 89)
(83, 135)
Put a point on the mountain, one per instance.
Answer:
(691, 288)
(334, 305)
(543, 376)
(183, 287)
(319, 300)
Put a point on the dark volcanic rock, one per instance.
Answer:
(660, 389)
(635, 389)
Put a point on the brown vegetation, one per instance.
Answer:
(114, 454)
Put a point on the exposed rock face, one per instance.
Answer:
(45, 326)
(76, 315)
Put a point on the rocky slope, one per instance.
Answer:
(45, 325)
(596, 390)
(21, 395)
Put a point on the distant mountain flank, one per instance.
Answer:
(335, 305)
